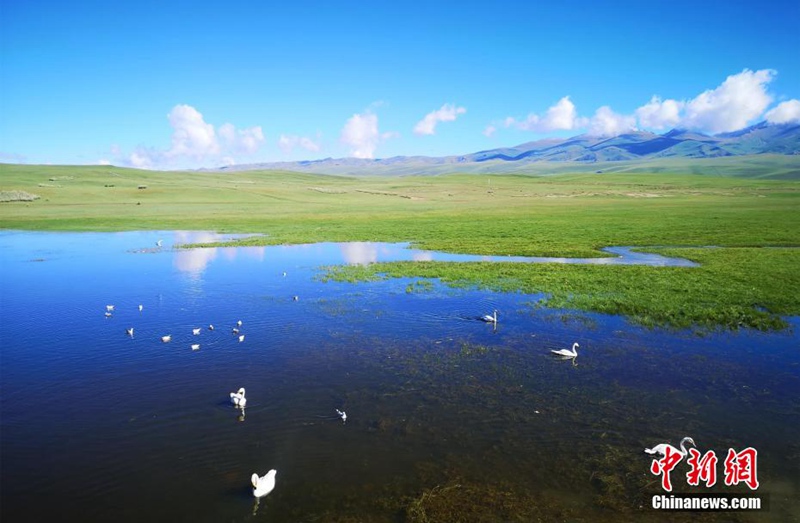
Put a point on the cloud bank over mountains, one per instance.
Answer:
(731, 106)
(740, 100)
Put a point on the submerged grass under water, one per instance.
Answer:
(733, 287)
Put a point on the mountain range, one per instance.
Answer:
(579, 151)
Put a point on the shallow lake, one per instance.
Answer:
(448, 417)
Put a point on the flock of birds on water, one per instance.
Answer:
(263, 485)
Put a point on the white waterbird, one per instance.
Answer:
(238, 399)
(239, 323)
(108, 315)
(141, 307)
(263, 485)
(342, 414)
(166, 338)
(196, 331)
(158, 243)
(129, 331)
(195, 346)
(109, 308)
(241, 338)
(490, 318)
(661, 448)
(235, 330)
(567, 352)
(211, 327)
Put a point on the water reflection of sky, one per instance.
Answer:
(426, 385)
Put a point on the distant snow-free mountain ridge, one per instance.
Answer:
(762, 138)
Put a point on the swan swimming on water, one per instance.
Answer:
(661, 448)
(239, 323)
(129, 332)
(263, 485)
(211, 327)
(166, 338)
(567, 352)
(342, 414)
(238, 399)
(241, 338)
(195, 346)
(490, 319)
(196, 331)
(109, 308)
(141, 307)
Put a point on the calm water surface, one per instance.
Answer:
(447, 416)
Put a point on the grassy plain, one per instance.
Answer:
(747, 283)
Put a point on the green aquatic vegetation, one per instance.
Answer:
(733, 287)
(744, 284)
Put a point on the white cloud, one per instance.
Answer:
(489, 131)
(361, 133)
(289, 142)
(731, 106)
(191, 135)
(606, 122)
(245, 141)
(560, 117)
(784, 112)
(446, 113)
(103, 162)
(196, 142)
(658, 114)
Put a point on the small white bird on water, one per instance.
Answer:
(211, 327)
(490, 319)
(158, 243)
(109, 308)
(567, 352)
(239, 323)
(195, 346)
(241, 338)
(129, 332)
(141, 307)
(238, 399)
(342, 414)
(263, 485)
(661, 448)
(196, 331)
(166, 338)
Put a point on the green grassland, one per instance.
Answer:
(748, 283)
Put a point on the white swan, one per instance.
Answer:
(235, 330)
(141, 307)
(567, 352)
(108, 315)
(241, 338)
(109, 308)
(211, 327)
(490, 319)
(263, 485)
(239, 323)
(158, 243)
(342, 414)
(195, 346)
(166, 338)
(129, 331)
(196, 331)
(661, 448)
(238, 399)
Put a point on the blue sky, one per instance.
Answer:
(190, 84)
